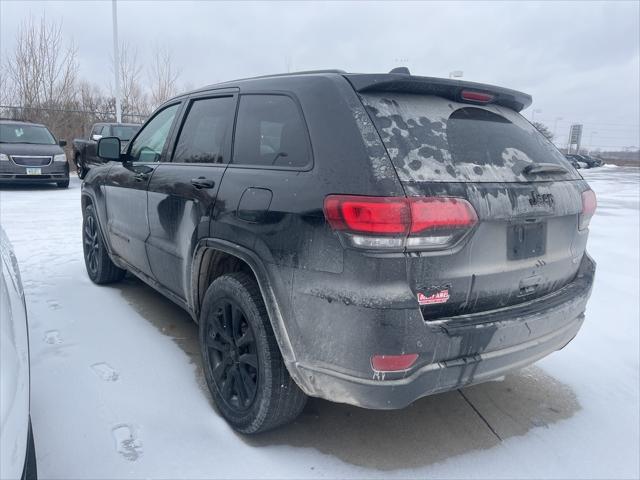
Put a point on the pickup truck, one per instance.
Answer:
(84, 150)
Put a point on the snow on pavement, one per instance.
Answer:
(117, 391)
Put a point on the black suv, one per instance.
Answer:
(365, 238)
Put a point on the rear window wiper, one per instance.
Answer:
(544, 168)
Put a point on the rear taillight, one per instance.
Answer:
(396, 223)
(589, 204)
(476, 97)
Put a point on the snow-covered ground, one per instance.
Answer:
(117, 390)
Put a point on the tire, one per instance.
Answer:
(63, 184)
(100, 268)
(81, 170)
(243, 367)
(30, 471)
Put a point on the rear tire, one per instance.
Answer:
(63, 184)
(243, 367)
(30, 471)
(100, 268)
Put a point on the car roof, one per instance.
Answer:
(385, 82)
(118, 124)
(6, 121)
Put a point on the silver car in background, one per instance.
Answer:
(17, 453)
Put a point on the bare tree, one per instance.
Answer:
(134, 98)
(543, 129)
(163, 76)
(42, 71)
(6, 86)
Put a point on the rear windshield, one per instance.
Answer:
(19, 133)
(433, 139)
(124, 132)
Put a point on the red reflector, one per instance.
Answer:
(431, 213)
(387, 215)
(393, 363)
(479, 97)
(589, 204)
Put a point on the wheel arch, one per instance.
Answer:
(212, 258)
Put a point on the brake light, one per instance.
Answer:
(589, 204)
(398, 222)
(393, 363)
(477, 97)
(367, 214)
(434, 212)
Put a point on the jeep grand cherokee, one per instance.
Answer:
(365, 238)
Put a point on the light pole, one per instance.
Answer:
(456, 74)
(591, 140)
(116, 59)
(533, 113)
(555, 126)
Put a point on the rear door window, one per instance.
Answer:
(270, 132)
(434, 139)
(205, 132)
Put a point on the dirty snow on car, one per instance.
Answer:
(435, 139)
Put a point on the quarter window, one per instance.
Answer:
(149, 144)
(205, 131)
(270, 132)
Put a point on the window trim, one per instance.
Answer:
(305, 168)
(184, 114)
(179, 104)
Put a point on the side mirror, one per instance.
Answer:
(62, 143)
(96, 137)
(109, 148)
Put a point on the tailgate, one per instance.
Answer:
(526, 243)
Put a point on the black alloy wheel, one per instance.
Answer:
(232, 355)
(91, 243)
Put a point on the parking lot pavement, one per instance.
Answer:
(117, 390)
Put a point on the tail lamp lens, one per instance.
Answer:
(393, 363)
(385, 215)
(589, 204)
(399, 222)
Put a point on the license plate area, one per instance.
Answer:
(526, 240)
(34, 171)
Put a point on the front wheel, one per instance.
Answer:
(100, 268)
(243, 367)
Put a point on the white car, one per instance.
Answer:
(17, 454)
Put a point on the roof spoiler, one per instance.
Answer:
(442, 87)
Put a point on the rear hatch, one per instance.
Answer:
(471, 145)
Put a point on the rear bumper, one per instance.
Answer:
(456, 351)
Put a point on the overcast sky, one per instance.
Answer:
(580, 61)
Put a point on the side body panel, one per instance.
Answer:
(179, 214)
(126, 212)
(14, 366)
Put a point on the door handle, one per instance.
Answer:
(202, 182)
(140, 177)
